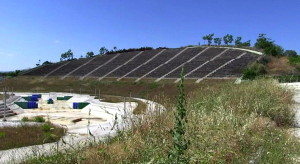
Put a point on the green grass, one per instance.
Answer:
(34, 119)
(294, 60)
(226, 124)
(15, 137)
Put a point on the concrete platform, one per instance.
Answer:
(105, 119)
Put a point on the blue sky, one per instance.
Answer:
(43, 29)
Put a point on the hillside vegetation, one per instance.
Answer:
(226, 124)
(144, 89)
(282, 66)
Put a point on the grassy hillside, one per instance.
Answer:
(282, 65)
(143, 89)
(226, 124)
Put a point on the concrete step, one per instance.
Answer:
(7, 115)
(7, 112)
(2, 109)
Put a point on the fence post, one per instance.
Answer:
(4, 98)
(125, 106)
(99, 94)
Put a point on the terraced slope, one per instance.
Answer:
(198, 62)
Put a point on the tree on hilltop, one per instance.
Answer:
(268, 45)
(218, 41)
(228, 39)
(67, 55)
(103, 51)
(237, 41)
(90, 54)
(290, 53)
(209, 38)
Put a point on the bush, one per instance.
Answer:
(153, 85)
(2, 134)
(39, 119)
(46, 127)
(254, 70)
(290, 53)
(294, 59)
(268, 45)
(25, 119)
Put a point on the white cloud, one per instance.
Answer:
(56, 42)
(7, 54)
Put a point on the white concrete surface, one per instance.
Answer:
(295, 87)
(107, 118)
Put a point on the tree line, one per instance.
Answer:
(227, 40)
(103, 51)
(262, 42)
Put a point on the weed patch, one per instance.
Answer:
(14, 137)
(225, 124)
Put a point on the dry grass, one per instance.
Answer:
(14, 137)
(141, 106)
(226, 124)
(143, 89)
(280, 66)
(112, 99)
(1, 96)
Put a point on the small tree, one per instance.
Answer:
(103, 51)
(218, 41)
(115, 48)
(90, 54)
(180, 144)
(39, 63)
(262, 42)
(237, 41)
(209, 38)
(290, 53)
(246, 44)
(67, 55)
(228, 39)
(47, 62)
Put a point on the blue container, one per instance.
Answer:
(75, 105)
(34, 98)
(32, 105)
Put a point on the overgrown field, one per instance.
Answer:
(282, 66)
(1, 96)
(14, 137)
(144, 89)
(227, 123)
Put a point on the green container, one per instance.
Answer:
(23, 105)
(60, 98)
(67, 97)
(28, 98)
(81, 105)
